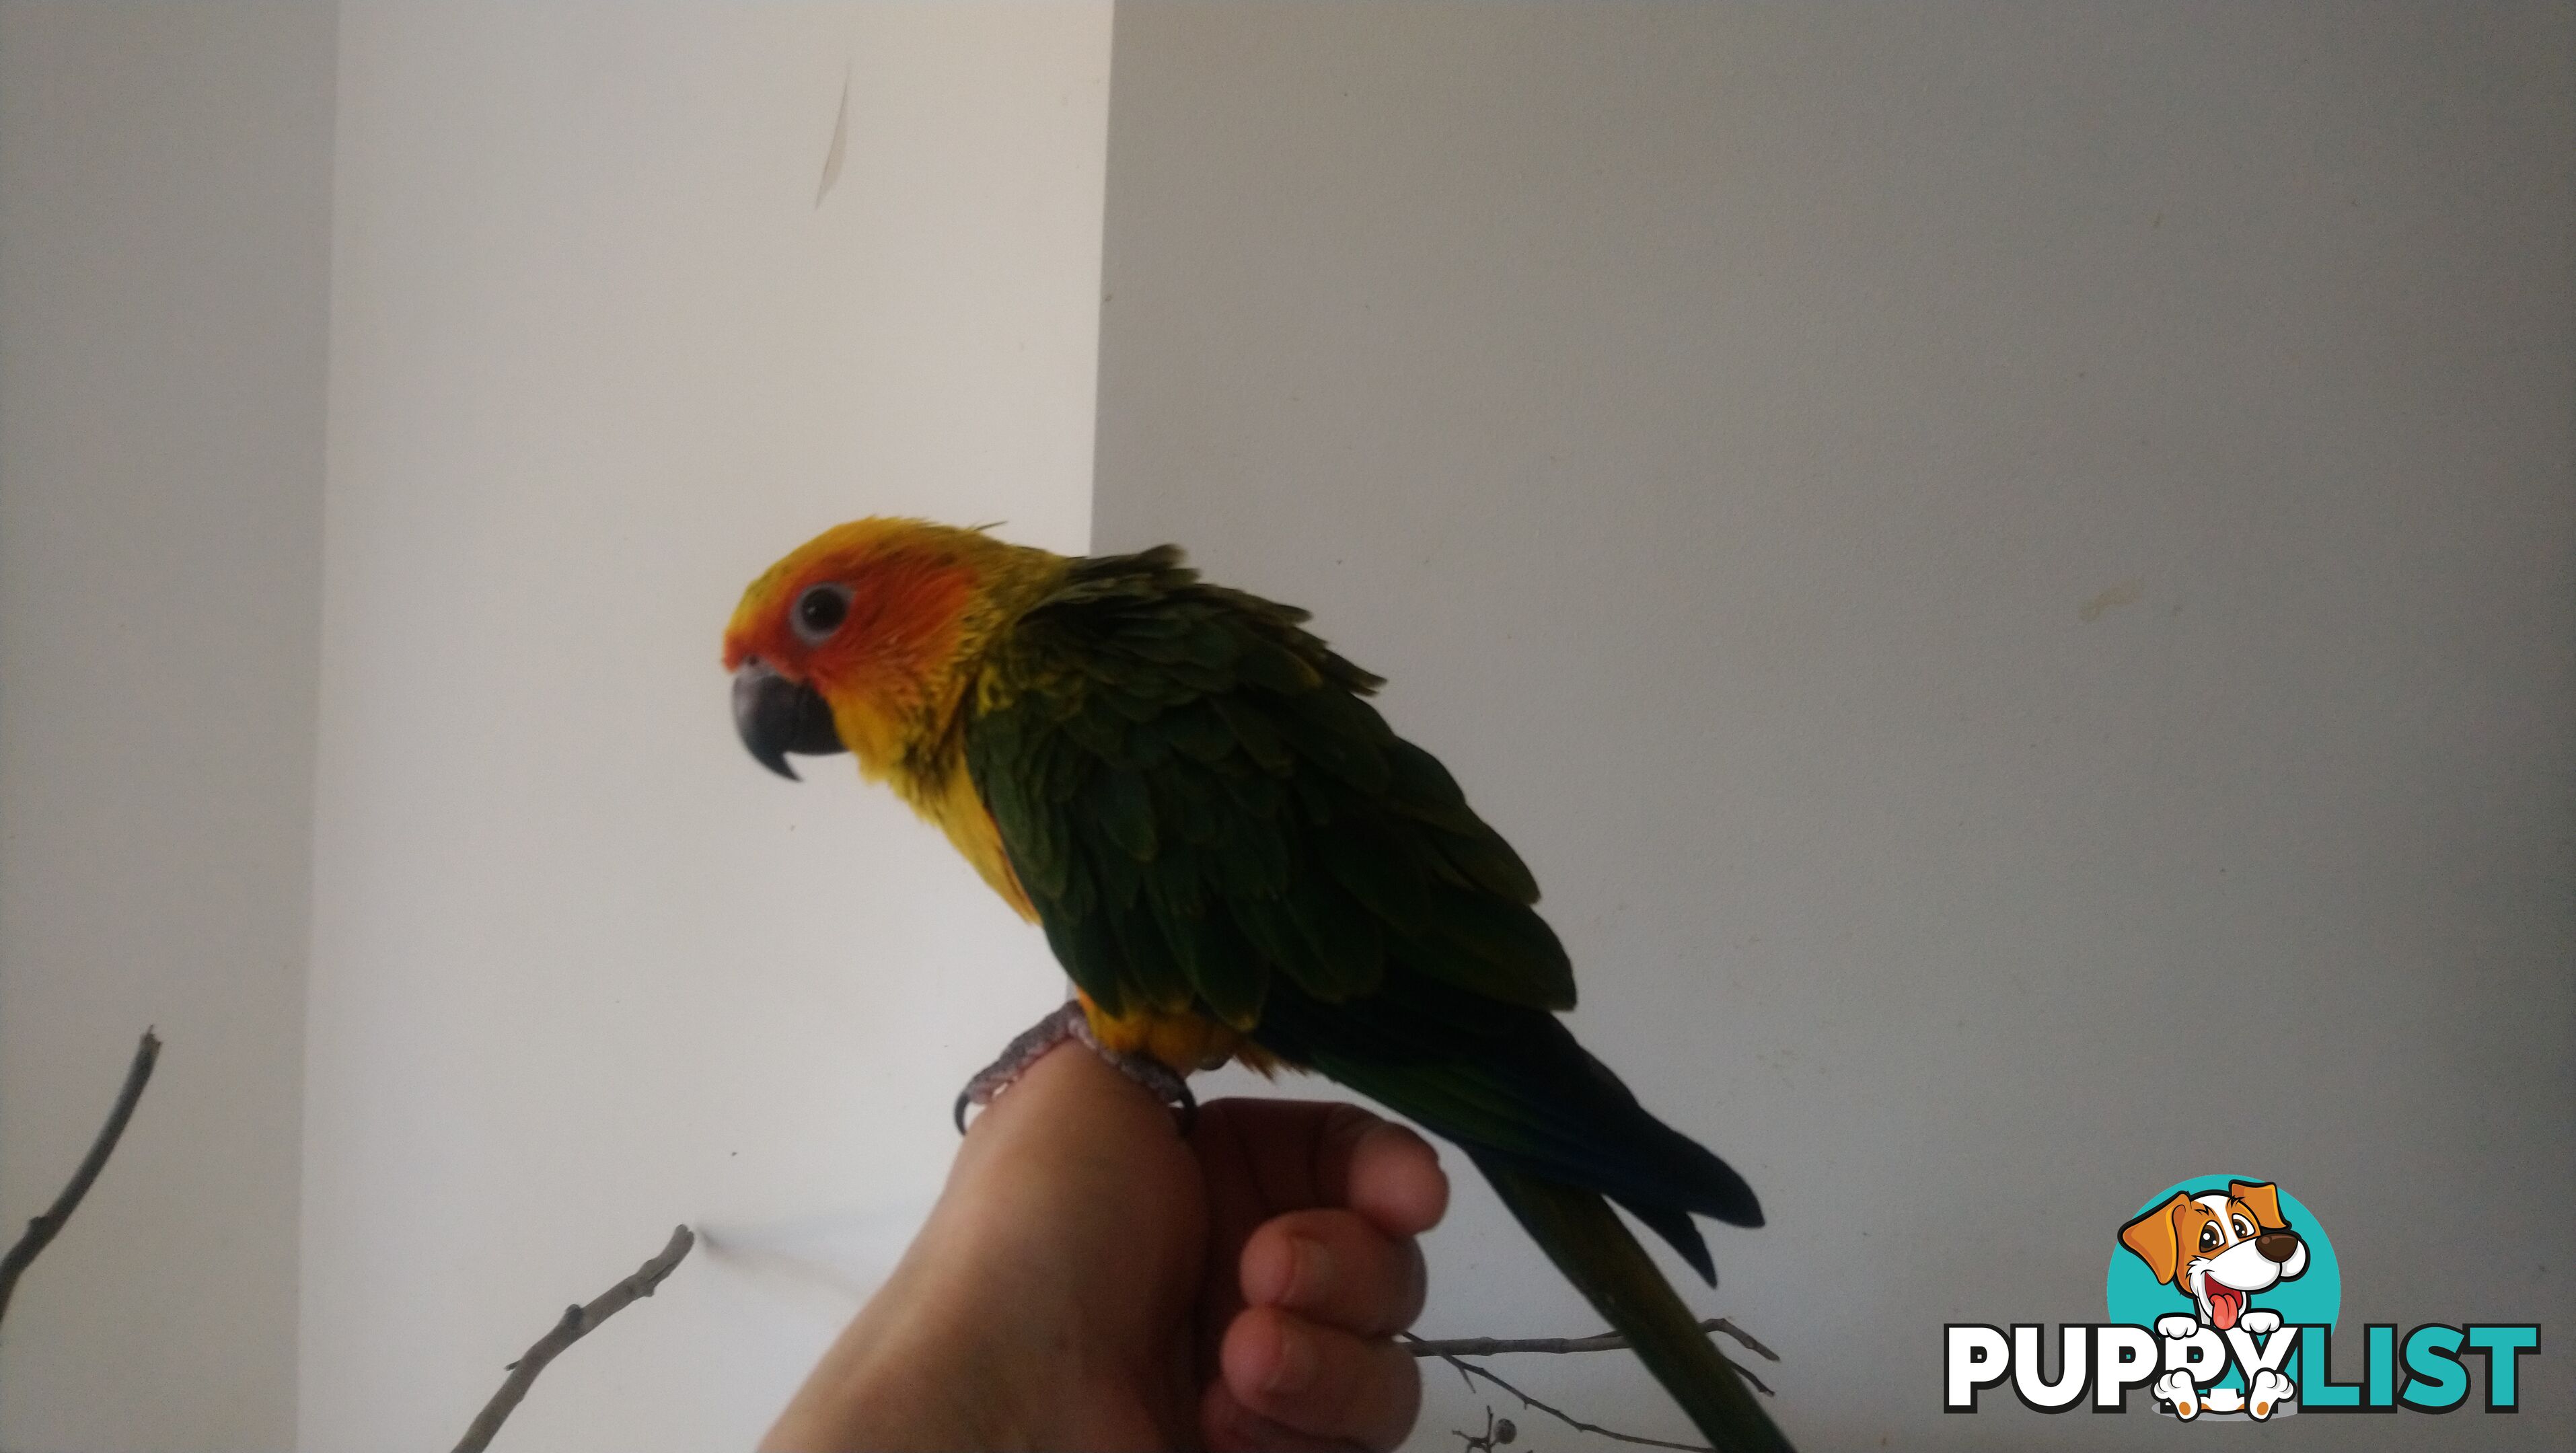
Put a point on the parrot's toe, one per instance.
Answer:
(1069, 1022)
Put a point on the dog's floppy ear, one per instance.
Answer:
(2263, 1199)
(2153, 1238)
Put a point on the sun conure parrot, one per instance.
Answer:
(1233, 856)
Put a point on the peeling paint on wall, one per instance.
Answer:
(2124, 593)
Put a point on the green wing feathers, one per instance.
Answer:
(1209, 816)
(1197, 798)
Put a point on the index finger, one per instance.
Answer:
(1303, 1153)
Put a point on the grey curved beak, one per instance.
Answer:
(777, 716)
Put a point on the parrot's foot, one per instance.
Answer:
(1069, 1022)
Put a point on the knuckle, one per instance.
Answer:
(1346, 1272)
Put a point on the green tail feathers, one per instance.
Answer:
(1587, 1241)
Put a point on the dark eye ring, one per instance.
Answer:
(820, 611)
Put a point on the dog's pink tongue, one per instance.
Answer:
(2225, 1304)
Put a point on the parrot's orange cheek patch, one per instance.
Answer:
(904, 616)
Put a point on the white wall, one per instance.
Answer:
(1827, 359)
(164, 246)
(2011, 567)
(581, 970)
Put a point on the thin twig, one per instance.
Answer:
(1496, 1434)
(1605, 1342)
(42, 1229)
(1720, 1324)
(568, 1329)
(1562, 1416)
(1455, 1351)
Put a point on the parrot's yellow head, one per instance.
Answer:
(863, 639)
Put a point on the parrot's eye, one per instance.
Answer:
(820, 611)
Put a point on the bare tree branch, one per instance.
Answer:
(1456, 1351)
(1720, 1324)
(575, 1322)
(42, 1229)
(1605, 1342)
(1469, 1368)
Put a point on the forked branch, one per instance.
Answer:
(1456, 1350)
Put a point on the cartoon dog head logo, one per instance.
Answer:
(2219, 1248)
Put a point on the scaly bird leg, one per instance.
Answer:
(1069, 1022)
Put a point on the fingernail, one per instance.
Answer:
(1310, 1272)
(1294, 1367)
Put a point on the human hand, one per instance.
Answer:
(1089, 1279)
